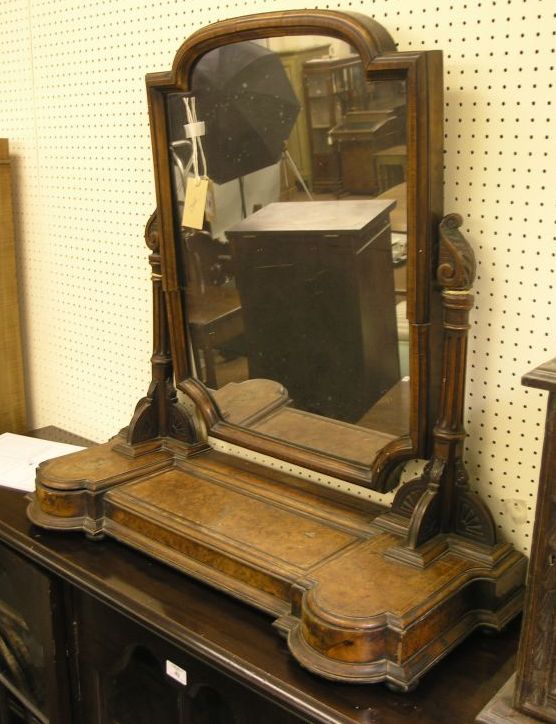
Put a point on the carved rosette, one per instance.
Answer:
(408, 496)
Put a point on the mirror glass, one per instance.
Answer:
(296, 282)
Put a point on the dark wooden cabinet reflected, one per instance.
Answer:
(316, 286)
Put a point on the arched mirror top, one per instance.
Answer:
(302, 311)
(368, 38)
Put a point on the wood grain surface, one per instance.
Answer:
(239, 641)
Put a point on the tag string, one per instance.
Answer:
(196, 143)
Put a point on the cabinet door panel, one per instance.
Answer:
(124, 680)
(32, 642)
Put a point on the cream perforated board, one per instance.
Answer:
(73, 106)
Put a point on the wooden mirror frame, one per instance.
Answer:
(422, 73)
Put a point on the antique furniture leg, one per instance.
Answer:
(529, 696)
(387, 160)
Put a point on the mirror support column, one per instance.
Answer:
(159, 414)
(443, 502)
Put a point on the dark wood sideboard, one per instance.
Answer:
(98, 622)
(530, 695)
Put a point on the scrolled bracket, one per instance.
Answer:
(145, 423)
(152, 238)
(426, 516)
(456, 260)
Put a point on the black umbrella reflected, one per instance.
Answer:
(249, 108)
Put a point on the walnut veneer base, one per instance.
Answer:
(312, 558)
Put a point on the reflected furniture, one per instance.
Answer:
(215, 318)
(361, 592)
(530, 695)
(12, 399)
(214, 309)
(317, 279)
(359, 138)
(398, 217)
(391, 165)
(298, 142)
(333, 86)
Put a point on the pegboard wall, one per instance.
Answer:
(73, 105)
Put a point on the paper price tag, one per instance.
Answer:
(195, 202)
(176, 672)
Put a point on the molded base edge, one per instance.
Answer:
(320, 565)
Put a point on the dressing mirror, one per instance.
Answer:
(312, 304)
(306, 324)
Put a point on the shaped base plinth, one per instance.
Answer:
(319, 562)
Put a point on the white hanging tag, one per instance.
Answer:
(176, 672)
(196, 189)
(195, 202)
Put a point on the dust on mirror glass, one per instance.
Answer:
(296, 280)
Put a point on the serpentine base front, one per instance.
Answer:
(313, 558)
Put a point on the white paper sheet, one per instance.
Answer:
(20, 456)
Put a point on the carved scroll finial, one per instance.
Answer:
(152, 238)
(456, 261)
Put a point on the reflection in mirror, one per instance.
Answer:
(296, 282)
